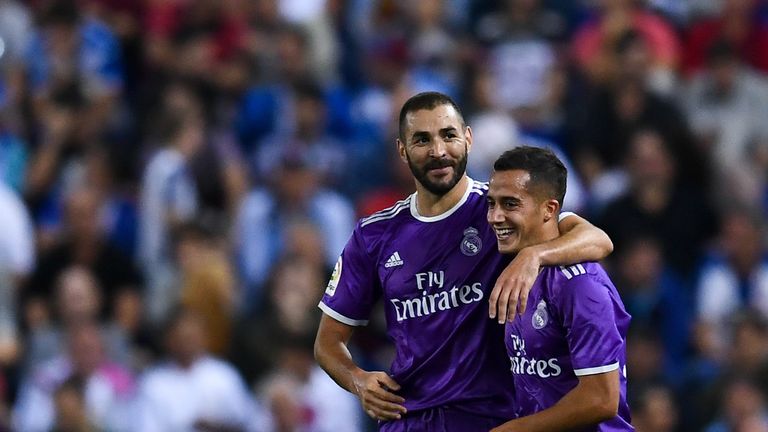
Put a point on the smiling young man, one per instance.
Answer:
(568, 350)
(431, 258)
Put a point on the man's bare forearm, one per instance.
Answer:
(594, 400)
(579, 241)
(333, 356)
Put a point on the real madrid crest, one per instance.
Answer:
(540, 318)
(471, 243)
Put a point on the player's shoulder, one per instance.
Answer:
(479, 188)
(565, 276)
(373, 231)
(388, 216)
(403, 211)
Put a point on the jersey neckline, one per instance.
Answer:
(445, 214)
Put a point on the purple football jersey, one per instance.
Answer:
(434, 275)
(575, 324)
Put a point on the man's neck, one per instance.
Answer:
(548, 232)
(430, 205)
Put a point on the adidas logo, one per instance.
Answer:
(394, 261)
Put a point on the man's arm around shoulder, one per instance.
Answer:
(595, 399)
(579, 241)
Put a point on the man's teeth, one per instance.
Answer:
(504, 231)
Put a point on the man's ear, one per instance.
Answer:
(550, 208)
(468, 137)
(401, 150)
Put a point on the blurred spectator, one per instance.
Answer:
(55, 167)
(74, 63)
(595, 43)
(645, 358)
(110, 172)
(658, 206)
(77, 300)
(374, 109)
(207, 281)
(433, 48)
(620, 109)
(543, 18)
(71, 412)
(738, 23)
(108, 386)
(744, 358)
(301, 396)
(272, 108)
(17, 258)
(494, 131)
(525, 72)
(735, 275)
(307, 140)
(221, 174)
(727, 105)
(263, 35)
(83, 242)
(201, 42)
(218, 168)
(168, 198)
(654, 410)
(317, 19)
(290, 313)
(191, 390)
(657, 300)
(295, 193)
(743, 409)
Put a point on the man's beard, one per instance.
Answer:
(439, 189)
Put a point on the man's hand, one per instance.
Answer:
(375, 391)
(510, 293)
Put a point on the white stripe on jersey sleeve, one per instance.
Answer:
(596, 370)
(388, 214)
(341, 318)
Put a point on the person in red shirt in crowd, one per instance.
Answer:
(594, 41)
(737, 24)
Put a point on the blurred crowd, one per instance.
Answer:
(177, 178)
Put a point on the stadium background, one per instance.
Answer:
(215, 154)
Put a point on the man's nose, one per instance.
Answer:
(495, 215)
(438, 149)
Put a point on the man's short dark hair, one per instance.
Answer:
(427, 101)
(548, 174)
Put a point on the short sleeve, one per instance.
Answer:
(589, 319)
(354, 286)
